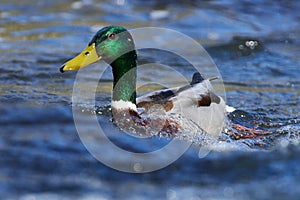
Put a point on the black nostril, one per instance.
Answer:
(87, 53)
(62, 69)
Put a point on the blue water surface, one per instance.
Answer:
(42, 156)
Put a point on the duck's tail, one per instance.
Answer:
(197, 78)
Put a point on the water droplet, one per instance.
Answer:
(137, 167)
(159, 14)
(77, 5)
(228, 192)
(171, 194)
(203, 152)
(241, 47)
(284, 143)
(120, 2)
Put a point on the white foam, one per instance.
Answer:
(122, 105)
(230, 109)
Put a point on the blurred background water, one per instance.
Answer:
(42, 156)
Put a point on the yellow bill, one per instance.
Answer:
(85, 58)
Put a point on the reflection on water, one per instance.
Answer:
(41, 154)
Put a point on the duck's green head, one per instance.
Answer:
(108, 44)
(114, 45)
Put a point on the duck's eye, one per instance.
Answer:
(112, 36)
(87, 53)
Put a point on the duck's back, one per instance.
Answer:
(196, 101)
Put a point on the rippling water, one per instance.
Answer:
(42, 156)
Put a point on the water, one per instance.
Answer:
(42, 156)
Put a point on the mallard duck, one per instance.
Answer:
(172, 110)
